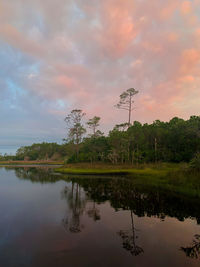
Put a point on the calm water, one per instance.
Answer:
(51, 220)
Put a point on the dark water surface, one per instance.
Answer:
(51, 220)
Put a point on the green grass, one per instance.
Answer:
(93, 171)
(174, 177)
(141, 170)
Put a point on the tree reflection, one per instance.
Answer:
(40, 174)
(83, 195)
(94, 212)
(129, 239)
(143, 200)
(76, 203)
(193, 251)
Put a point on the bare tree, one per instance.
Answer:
(126, 101)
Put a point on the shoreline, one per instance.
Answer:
(173, 177)
(32, 163)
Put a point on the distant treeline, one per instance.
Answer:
(175, 141)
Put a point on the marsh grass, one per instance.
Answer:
(174, 177)
(159, 169)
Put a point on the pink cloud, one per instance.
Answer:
(11, 35)
(118, 29)
(65, 81)
(187, 79)
(94, 50)
(186, 7)
(172, 37)
(190, 58)
(168, 10)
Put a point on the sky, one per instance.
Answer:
(60, 55)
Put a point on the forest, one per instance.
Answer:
(175, 141)
(128, 143)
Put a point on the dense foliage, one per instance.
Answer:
(175, 141)
(43, 151)
(195, 162)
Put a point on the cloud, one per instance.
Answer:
(186, 7)
(12, 36)
(65, 54)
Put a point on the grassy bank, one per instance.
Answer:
(174, 177)
(103, 169)
(116, 171)
(32, 162)
(177, 178)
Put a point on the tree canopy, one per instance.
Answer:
(175, 141)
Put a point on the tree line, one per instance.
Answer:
(175, 141)
(132, 143)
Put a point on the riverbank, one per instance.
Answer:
(31, 162)
(104, 169)
(174, 177)
(168, 176)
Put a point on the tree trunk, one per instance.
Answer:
(155, 147)
(129, 112)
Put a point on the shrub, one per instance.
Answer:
(195, 162)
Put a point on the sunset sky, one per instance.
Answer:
(57, 55)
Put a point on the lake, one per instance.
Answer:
(48, 219)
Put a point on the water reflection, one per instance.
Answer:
(193, 250)
(129, 239)
(122, 194)
(76, 202)
(140, 199)
(94, 212)
(36, 175)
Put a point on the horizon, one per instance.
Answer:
(87, 57)
(12, 149)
